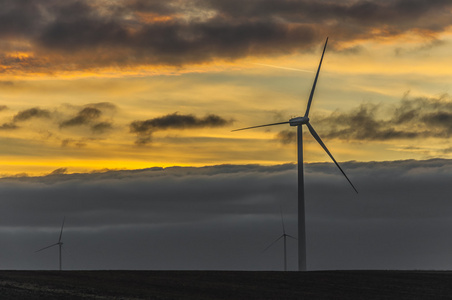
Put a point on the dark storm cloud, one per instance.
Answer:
(175, 43)
(75, 34)
(161, 8)
(222, 217)
(21, 18)
(144, 129)
(362, 11)
(34, 112)
(410, 119)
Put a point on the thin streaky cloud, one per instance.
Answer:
(284, 68)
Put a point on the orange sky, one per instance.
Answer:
(68, 98)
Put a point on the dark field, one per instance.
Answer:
(225, 285)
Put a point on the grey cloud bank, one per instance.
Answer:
(222, 217)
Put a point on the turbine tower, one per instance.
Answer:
(60, 244)
(299, 122)
(284, 236)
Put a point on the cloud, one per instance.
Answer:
(8, 126)
(394, 16)
(410, 119)
(144, 129)
(24, 115)
(89, 114)
(58, 171)
(79, 143)
(427, 46)
(286, 136)
(103, 106)
(27, 114)
(80, 34)
(440, 118)
(176, 121)
(21, 18)
(97, 117)
(83, 117)
(101, 127)
(225, 215)
(172, 43)
(350, 50)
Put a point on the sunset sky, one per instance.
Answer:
(76, 76)
(93, 86)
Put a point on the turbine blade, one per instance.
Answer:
(261, 126)
(315, 82)
(47, 247)
(317, 137)
(288, 235)
(61, 232)
(274, 242)
(282, 221)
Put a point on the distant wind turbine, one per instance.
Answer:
(284, 236)
(60, 244)
(299, 121)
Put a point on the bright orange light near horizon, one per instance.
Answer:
(19, 55)
(147, 17)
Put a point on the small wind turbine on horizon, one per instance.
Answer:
(283, 236)
(298, 122)
(59, 244)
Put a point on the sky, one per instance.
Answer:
(118, 115)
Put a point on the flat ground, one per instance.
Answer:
(225, 285)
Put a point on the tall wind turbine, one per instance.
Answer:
(283, 236)
(298, 122)
(60, 243)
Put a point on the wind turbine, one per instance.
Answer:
(284, 236)
(299, 122)
(60, 243)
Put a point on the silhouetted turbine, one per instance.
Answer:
(299, 121)
(60, 244)
(284, 236)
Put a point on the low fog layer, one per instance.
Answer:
(222, 217)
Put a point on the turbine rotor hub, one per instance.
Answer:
(298, 121)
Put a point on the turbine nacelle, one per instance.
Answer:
(298, 121)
